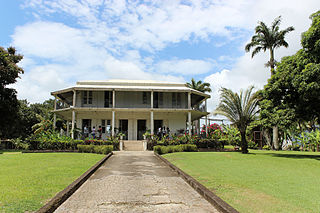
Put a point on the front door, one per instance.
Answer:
(123, 128)
(141, 129)
(157, 125)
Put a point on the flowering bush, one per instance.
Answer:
(214, 131)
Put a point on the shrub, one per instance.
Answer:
(267, 147)
(252, 145)
(177, 148)
(100, 149)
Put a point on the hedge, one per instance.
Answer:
(177, 148)
(99, 149)
(68, 145)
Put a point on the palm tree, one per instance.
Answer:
(240, 109)
(266, 38)
(199, 85)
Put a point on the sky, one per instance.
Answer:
(64, 41)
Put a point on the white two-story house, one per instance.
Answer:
(130, 106)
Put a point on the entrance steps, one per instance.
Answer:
(132, 145)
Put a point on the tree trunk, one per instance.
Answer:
(266, 135)
(317, 147)
(272, 61)
(275, 135)
(244, 144)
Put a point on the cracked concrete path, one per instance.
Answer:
(135, 182)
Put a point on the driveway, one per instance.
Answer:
(135, 182)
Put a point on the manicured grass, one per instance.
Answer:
(28, 181)
(263, 181)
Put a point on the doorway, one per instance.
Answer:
(157, 125)
(123, 128)
(142, 127)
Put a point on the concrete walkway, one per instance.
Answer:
(135, 182)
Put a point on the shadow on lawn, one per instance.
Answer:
(295, 156)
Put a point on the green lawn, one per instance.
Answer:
(263, 181)
(28, 180)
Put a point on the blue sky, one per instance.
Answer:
(64, 41)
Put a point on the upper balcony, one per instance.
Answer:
(143, 96)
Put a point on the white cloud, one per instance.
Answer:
(251, 71)
(108, 37)
(184, 67)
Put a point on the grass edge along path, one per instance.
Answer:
(263, 181)
(29, 180)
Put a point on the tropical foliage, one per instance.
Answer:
(9, 105)
(199, 85)
(240, 109)
(268, 38)
(292, 96)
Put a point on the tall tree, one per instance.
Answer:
(9, 72)
(240, 109)
(199, 85)
(292, 95)
(269, 38)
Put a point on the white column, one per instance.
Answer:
(206, 118)
(151, 123)
(113, 123)
(74, 98)
(73, 123)
(151, 114)
(189, 122)
(189, 100)
(67, 128)
(151, 100)
(113, 99)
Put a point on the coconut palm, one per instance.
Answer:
(266, 38)
(199, 85)
(240, 109)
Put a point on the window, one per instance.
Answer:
(160, 98)
(87, 97)
(144, 97)
(178, 100)
(174, 99)
(108, 99)
(90, 97)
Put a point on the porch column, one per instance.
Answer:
(189, 113)
(151, 122)
(189, 122)
(74, 98)
(73, 123)
(113, 99)
(67, 127)
(54, 114)
(151, 115)
(189, 100)
(206, 118)
(113, 123)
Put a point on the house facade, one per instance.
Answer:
(130, 106)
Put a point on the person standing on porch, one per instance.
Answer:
(85, 131)
(100, 132)
(93, 132)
